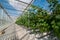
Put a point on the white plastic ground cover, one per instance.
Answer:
(19, 5)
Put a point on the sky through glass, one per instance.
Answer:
(8, 6)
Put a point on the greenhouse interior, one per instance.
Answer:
(29, 19)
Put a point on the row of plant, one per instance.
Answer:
(39, 19)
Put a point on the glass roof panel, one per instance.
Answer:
(4, 20)
(27, 1)
(12, 8)
(19, 4)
